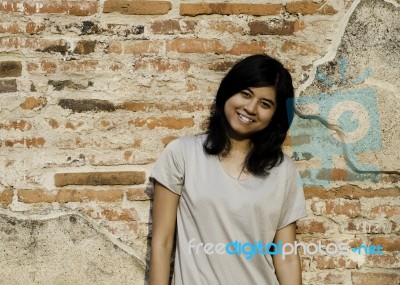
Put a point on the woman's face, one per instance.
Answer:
(250, 111)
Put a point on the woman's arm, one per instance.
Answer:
(165, 205)
(288, 269)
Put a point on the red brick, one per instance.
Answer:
(138, 194)
(334, 262)
(196, 46)
(69, 195)
(349, 192)
(28, 142)
(163, 107)
(6, 197)
(32, 103)
(309, 8)
(21, 28)
(10, 69)
(165, 122)
(48, 66)
(194, 9)
(21, 125)
(310, 226)
(374, 278)
(99, 178)
(137, 7)
(389, 243)
(36, 44)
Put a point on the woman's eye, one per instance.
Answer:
(245, 94)
(265, 105)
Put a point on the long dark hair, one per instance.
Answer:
(254, 71)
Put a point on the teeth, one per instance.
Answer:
(245, 118)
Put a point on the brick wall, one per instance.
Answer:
(92, 91)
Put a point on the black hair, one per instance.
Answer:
(254, 71)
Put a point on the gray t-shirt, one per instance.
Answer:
(217, 214)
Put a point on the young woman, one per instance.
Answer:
(232, 194)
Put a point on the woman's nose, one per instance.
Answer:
(251, 107)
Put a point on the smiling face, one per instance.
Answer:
(250, 111)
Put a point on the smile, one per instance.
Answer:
(244, 118)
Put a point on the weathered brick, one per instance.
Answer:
(137, 7)
(8, 86)
(85, 47)
(368, 226)
(167, 140)
(309, 8)
(37, 44)
(275, 27)
(28, 142)
(161, 65)
(252, 47)
(78, 66)
(10, 69)
(334, 262)
(386, 211)
(86, 105)
(389, 243)
(311, 226)
(348, 208)
(6, 197)
(61, 84)
(69, 195)
(74, 8)
(374, 278)
(383, 261)
(194, 9)
(349, 192)
(53, 123)
(21, 125)
(196, 46)
(99, 178)
(136, 47)
(226, 27)
(220, 66)
(168, 27)
(32, 103)
(141, 194)
(113, 214)
(339, 174)
(298, 48)
(164, 122)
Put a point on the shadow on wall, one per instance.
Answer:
(347, 125)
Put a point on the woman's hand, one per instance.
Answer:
(165, 203)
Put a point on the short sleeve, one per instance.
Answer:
(169, 168)
(294, 204)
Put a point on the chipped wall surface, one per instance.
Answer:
(92, 92)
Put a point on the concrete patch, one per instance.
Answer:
(63, 250)
(350, 109)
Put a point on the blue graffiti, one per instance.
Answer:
(345, 123)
